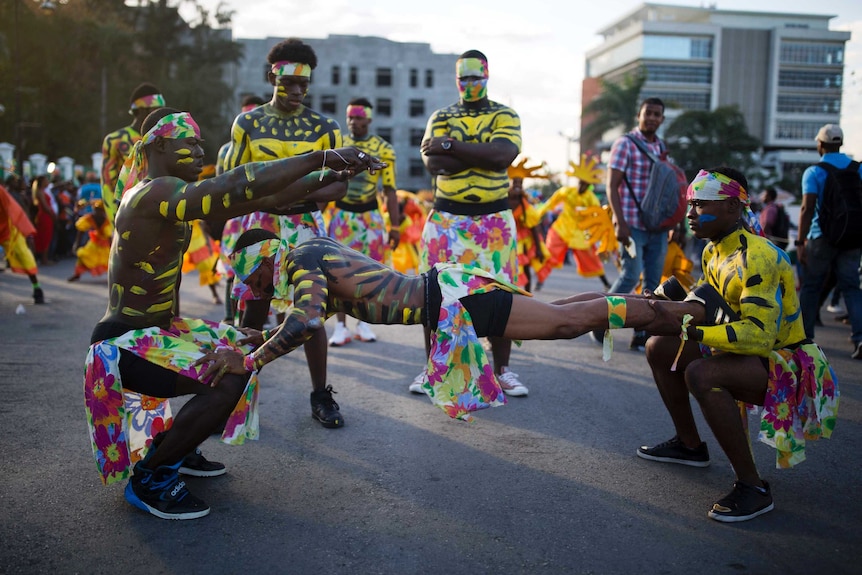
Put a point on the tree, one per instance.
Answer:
(73, 70)
(700, 139)
(616, 106)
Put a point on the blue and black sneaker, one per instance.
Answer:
(161, 493)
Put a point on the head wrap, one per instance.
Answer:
(172, 126)
(357, 111)
(245, 261)
(714, 186)
(285, 68)
(150, 101)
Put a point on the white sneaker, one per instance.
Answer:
(834, 309)
(417, 383)
(341, 335)
(511, 384)
(364, 333)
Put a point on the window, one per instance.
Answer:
(684, 100)
(665, 73)
(354, 76)
(384, 76)
(414, 78)
(417, 168)
(811, 53)
(383, 107)
(417, 108)
(416, 135)
(429, 78)
(385, 133)
(799, 79)
(336, 75)
(814, 104)
(328, 104)
(796, 130)
(267, 68)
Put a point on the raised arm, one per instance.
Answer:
(257, 186)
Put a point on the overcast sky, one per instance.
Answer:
(535, 49)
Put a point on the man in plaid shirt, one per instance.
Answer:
(628, 175)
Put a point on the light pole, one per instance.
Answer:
(569, 141)
(47, 7)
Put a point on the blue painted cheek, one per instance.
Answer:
(705, 218)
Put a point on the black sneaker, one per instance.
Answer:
(161, 493)
(673, 451)
(324, 409)
(38, 296)
(857, 353)
(196, 465)
(598, 336)
(639, 341)
(743, 503)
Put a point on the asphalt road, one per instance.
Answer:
(546, 484)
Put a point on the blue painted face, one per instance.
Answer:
(706, 218)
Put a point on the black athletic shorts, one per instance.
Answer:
(489, 311)
(139, 375)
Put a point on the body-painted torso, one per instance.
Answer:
(492, 122)
(145, 264)
(115, 149)
(266, 133)
(756, 279)
(362, 188)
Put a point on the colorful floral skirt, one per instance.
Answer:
(488, 242)
(364, 232)
(459, 378)
(121, 428)
(801, 402)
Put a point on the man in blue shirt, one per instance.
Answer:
(815, 254)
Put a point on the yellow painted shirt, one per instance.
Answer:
(756, 280)
(363, 187)
(482, 125)
(116, 147)
(266, 134)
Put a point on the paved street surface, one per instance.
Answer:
(546, 484)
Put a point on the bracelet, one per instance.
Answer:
(248, 362)
(323, 166)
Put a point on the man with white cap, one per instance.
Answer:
(815, 253)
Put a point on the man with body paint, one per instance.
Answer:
(356, 220)
(285, 128)
(227, 232)
(457, 302)
(757, 354)
(118, 144)
(140, 345)
(468, 148)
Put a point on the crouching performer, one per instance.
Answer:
(141, 345)
(754, 352)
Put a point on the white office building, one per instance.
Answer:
(784, 71)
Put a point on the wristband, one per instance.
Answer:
(248, 362)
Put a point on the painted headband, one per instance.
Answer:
(245, 261)
(285, 68)
(716, 186)
(151, 101)
(471, 67)
(357, 111)
(172, 126)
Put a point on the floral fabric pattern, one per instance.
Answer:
(364, 232)
(801, 402)
(122, 425)
(459, 378)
